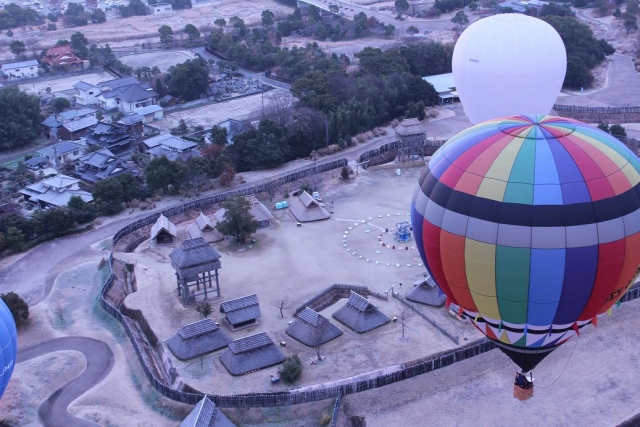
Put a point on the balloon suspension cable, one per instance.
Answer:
(565, 365)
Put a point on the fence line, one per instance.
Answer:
(336, 408)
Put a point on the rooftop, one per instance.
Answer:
(12, 65)
(358, 302)
(81, 123)
(83, 86)
(441, 82)
(250, 343)
(198, 328)
(163, 223)
(60, 148)
(239, 303)
(194, 252)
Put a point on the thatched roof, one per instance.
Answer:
(163, 223)
(409, 127)
(205, 414)
(259, 211)
(204, 227)
(306, 209)
(360, 315)
(241, 309)
(427, 292)
(196, 339)
(312, 329)
(251, 353)
(194, 256)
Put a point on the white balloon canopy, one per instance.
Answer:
(508, 64)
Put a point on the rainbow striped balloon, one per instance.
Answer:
(531, 227)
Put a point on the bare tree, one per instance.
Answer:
(32, 43)
(403, 318)
(206, 30)
(281, 303)
(280, 107)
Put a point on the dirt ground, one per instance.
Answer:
(161, 59)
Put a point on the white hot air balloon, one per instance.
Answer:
(508, 64)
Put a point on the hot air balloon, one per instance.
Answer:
(531, 227)
(508, 64)
(8, 345)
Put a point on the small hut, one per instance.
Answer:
(411, 139)
(205, 414)
(306, 209)
(259, 212)
(427, 292)
(251, 353)
(312, 329)
(241, 312)
(196, 339)
(203, 227)
(360, 315)
(164, 231)
(196, 263)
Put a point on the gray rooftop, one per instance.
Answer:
(81, 123)
(12, 65)
(163, 223)
(194, 256)
(359, 315)
(358, 302)
(239, 303)
(60, 148)
(241, 310)
(251, 353)
(312, 329)
(250, 343)
(306, 209)
(198, 328)
(83, 86)
(205, 414)
(198, 338)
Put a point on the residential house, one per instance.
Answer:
(124, 94)
(50, 126)
(20, 70)
(116, 137)
(173, 147)
(98, 165)
(151, 113)
(62, 152)
(444, 85)
(233, 128)
(62, 57)
(55, 192)
(75, 123)
(37, 162)
(155, 9)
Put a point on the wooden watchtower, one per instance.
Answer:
(412, 138)
(196, 263)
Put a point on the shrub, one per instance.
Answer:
(18, 307)
(291, 369)
(344, 173)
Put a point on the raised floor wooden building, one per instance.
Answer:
(196, 264)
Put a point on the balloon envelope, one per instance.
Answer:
(508, 64)
(531, 227)
(8, 345)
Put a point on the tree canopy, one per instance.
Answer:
(238, 220)
(20, 120)
(163, 174)
(189, 80)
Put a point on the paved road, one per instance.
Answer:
(53, 411)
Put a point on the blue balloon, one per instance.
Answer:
(8, 345)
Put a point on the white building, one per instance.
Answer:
(55, 191)
(158, 8)
(125, 94)
(20, 70)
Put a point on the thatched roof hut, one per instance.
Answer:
(410, 127)
(360, 315)
(312, 329)
(259, 212)
(241, 312)
(196, 339)
(205, 414)
(194, 256)
(204, 227)
(164, 231)
(251, 353)
(306, 209)
(427, 292)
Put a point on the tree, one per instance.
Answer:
(227, 175)
(189, 80)
(192, 32)
(162, 173)
(473, 6)
(344, 173)
(20, 118)
(267, 18)
(17, 47)
(220, 22)
(60, 104)
(618, 131)
(401, 6)
(604, 127)
(280, 304)
(166, 34)
(291, 369)
(413, 30)
(18, 307)
(238, 220)
(578, 74)
(98, 16)
(403, 318)
(75, 15)
(15, 239)
(219, 135)
(80, 211)
(460, 19)
(205, 309)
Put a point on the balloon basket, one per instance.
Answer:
(522, 393)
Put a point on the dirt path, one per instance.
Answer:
(53, 411)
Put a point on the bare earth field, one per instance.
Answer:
(208, 115)
(162, 59)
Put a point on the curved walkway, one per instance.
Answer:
(53, 411)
